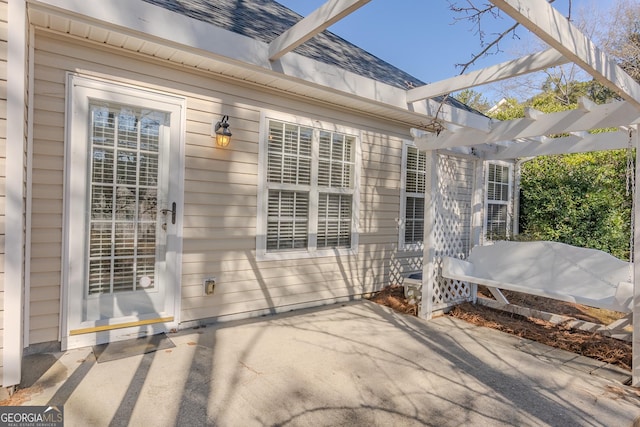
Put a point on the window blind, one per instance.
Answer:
(414, 189)
(298, 192)
(498, 194)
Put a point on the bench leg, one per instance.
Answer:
(498, 295)
(621, 323)
(568, 322)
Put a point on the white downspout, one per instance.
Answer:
(14, 208)
(29, 193)
(635, 356)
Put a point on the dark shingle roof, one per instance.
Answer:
(266, 19)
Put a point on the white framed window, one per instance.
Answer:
(412, 189)
(498, 200)
(308, 188)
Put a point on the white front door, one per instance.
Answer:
(123, 211)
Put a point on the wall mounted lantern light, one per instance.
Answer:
(221, 130)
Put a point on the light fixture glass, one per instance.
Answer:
(221, 130)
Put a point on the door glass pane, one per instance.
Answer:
(102, 171)
(99, 275)
(102, 126)
(101, 202)
(127, 167)
(148, 169)
(124, 165)
(123, 273)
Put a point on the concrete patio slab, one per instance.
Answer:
(356, 364)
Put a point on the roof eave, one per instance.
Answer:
(241, 57)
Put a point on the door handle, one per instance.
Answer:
(173, 212)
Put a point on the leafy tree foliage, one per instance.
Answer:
(507, 109)
(558, 95)
(473, 99)
(579, 199)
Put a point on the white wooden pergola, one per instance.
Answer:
(518, 138)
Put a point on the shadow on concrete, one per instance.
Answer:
(349, 364)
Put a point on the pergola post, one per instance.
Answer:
(635, 358)
(477, 220)
(429, 249)
(477, 205)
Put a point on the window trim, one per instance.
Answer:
(402, 220)
(508, 202)
(262, 254)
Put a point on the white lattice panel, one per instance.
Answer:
(451, 235)
(403, 264)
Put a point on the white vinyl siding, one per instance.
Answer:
(221, 189)
(498, 201)
(412, 198)
(310, 205)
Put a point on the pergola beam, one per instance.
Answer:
(588, 117)
(564, 145)
(521, 66)
(547, 23)
(316, 22)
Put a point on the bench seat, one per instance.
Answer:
(548, 269)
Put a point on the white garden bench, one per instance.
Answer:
(548, 269)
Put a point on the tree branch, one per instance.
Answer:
(487, 47)
(475, 14)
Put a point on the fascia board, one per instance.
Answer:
(138, 18)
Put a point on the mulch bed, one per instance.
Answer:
(393, 297)
(588, 344)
